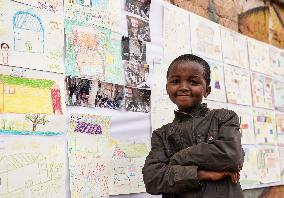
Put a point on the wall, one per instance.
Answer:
(262, 20)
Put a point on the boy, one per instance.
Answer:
(199, 154)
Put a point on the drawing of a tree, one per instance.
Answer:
(36, 119)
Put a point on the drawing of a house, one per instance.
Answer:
(17, 164)
(25, 95)
(28, 32)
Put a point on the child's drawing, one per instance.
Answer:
(238, 88)
(259, 56)
(205, 37)
(173, 47)
(40, 162)
(264, 127)
(268, 164)
(92, 13)
(249, 175)
(28, 38)
(262, 91)
(234, 48)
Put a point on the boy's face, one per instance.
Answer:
(186, 84)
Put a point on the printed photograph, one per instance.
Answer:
(139, 7)
(137, 100)
(106, 95)
(133, 50)
(77, 91)
(136, 75)
(138, 29)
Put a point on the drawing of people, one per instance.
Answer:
(56, 99)
(5, 53)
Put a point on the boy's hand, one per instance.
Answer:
(215, 176)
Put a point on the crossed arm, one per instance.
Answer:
(203, 161)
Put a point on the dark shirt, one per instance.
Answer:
(200, 139)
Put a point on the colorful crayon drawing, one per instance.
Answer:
(32, 122)
(238, 90)
(279, 118)
(128, 160)
(175, 47)
(259, 56)
(262, 91)
(31, 101)
(40, 162)
(88, 143)
(268, 164)
(26, 95)
(264, 127)
(217, 82)
(246, 123)
(28, 38)
(114, 72)
(249, 176)
(94, 53)
(205, 37)
(92, 13)
(276, 57)
(234, 48)
(278, 88)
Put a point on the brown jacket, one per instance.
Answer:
(202, 139)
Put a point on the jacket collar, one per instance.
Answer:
(196, 111)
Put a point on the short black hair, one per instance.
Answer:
(196, 59)
(2, 44)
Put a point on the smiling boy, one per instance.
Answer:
(199, 154)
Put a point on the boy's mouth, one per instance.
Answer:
(183, 94)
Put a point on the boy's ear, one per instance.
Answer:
(167, 88)
(208, 91)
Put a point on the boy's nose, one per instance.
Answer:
(184, 85)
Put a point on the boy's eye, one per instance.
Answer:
(175, 81)
(193, 82)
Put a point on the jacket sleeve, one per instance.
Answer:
(223, 154)
(160, 177)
